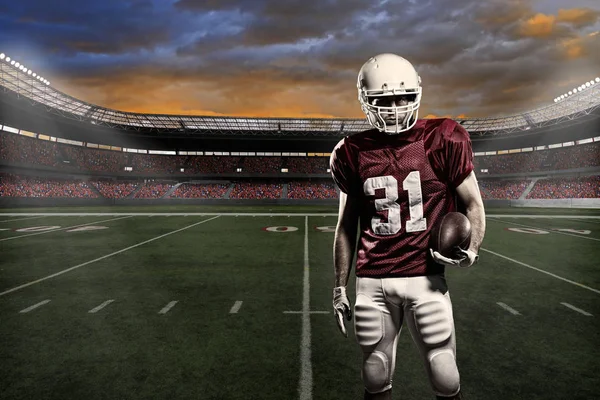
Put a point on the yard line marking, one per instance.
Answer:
(509, 309)
(305, 387)
(166, 308)
(61, 229)
(310, 312)
(547, 229)
(579, 310)
(100, 307)
(102, 258)
(205, 214)
(20, 219)
(541, 270)
(41, 303)
(541, 216)
(236, 307)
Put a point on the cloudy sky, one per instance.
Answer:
(300, 58)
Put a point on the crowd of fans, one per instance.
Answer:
(262, 165)
(200, 191)
(308, 165)
(24, 186)
(580, 156)
(504, 189)
(153, 190)
(312, 190)
(27, 150)
(247, 190)
(114, 190)
(211, 164)
(12, 185)
(566, 188)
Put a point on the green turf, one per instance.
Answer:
(199, 350)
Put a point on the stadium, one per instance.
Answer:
(182, 256)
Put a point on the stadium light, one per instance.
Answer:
(7, 58)
(17, 64)
(34, 74)
(28, 72)
(2, 55)
(597, 80)
(12, 62)
(570, 92)
(587, 84)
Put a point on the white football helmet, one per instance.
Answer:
(389, 92)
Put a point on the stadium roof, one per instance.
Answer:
(39, 92)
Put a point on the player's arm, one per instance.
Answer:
(344, 248)
(345, 238)
(468, 192)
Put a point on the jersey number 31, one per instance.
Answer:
(412, 184)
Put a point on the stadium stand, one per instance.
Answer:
(12, 185)
(114, 190)
(566, 188)
(153, 190)
(580, 156)
(200, 191)
(312, 190)
(256, 190)
(31, 151)
(502, 189)
(24, 152)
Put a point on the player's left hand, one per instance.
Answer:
(466, 258)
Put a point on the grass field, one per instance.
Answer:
(218, 307)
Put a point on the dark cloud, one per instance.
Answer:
(106, 27)
(300, 58)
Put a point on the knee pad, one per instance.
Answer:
(445, 379)
(376, 372)
(433, 320)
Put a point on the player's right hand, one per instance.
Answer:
(341, 308)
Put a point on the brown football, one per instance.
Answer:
(454, 230)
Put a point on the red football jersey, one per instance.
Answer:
(405, 184)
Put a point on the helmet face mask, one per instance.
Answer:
(389, 92)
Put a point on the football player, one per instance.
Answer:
(396, 181)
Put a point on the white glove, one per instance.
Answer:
(341, 308)
(465, 260)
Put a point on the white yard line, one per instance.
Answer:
(546, 229)
(33, 307)
(102, 258)
(168, 307)
(541, 216)
(236, 307)
(579, 310)
(509, 309)
(542, 271)
(100, 307)
(19, 219)
(62, 229)
(207, 214)
(306, 382)
(310, 312)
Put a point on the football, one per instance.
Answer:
(454, 230)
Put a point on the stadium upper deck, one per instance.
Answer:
(17, 79)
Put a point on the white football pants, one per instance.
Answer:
(380, 309)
